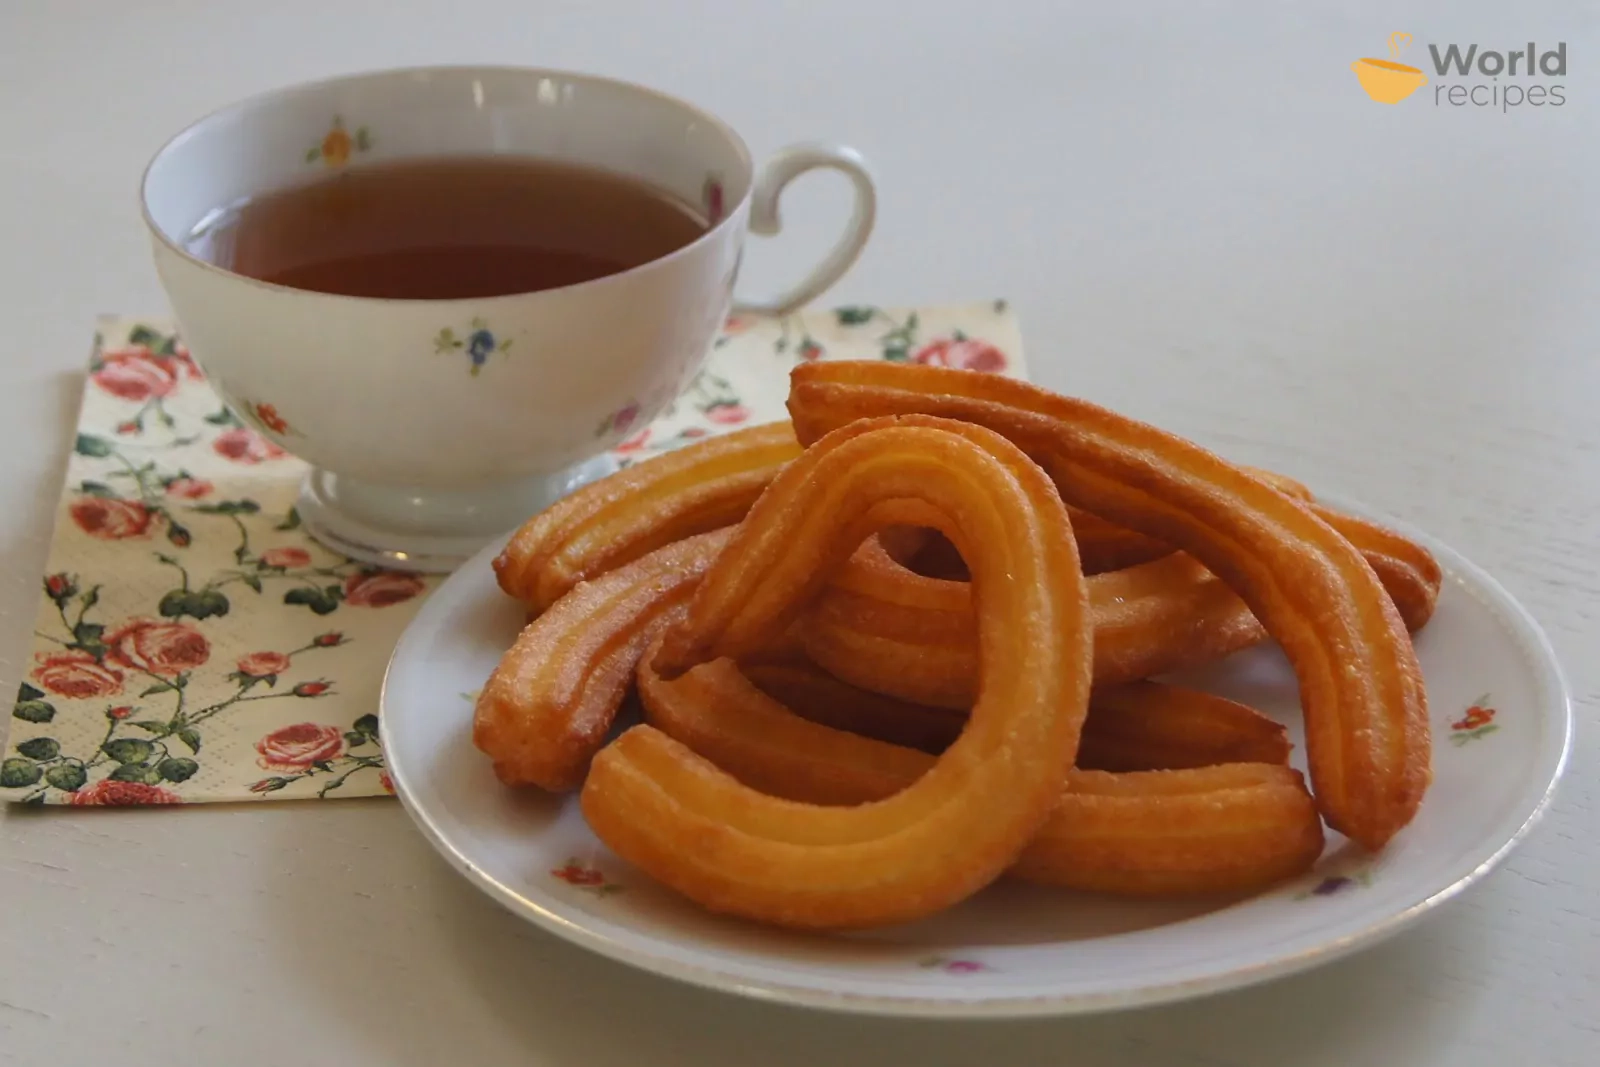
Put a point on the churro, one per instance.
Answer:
(547, 707)
(613, 521)
(1226, 828)
(944, 836)
(1361, 688)
(884, 628)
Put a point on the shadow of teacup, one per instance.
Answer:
(1388, 82)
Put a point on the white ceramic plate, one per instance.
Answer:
(1012, 950)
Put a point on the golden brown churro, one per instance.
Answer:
(883, 628)
(694, 489)
(1361, 688)
(1230, 827)
(1148, 726)
(1142, 726)
(547, 707)
(1105, 546)
(960, 824)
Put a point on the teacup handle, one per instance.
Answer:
(784, 168)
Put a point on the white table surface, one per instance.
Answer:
(1201, 220)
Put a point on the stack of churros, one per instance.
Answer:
(909, 643)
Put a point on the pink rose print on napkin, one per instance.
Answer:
(298, 747)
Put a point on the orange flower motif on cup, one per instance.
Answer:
(135, 374)
(162, 648)
(1476, 722)
(108, 793)
(245, 446)
(379, 589)
(387, 782)
(268, 416)
(337, 145)
(585, 877)
(286, 557)
(76, 674)
(299, 747)
(111, 518)
(962, 353)
(810, 351)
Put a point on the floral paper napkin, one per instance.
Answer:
(192, 643)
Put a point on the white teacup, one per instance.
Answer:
(423, 450)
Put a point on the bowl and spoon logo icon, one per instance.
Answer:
(1388, 81)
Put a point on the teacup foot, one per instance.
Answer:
(431, 531)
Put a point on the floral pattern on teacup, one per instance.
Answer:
(712, 197)
(953, 965)
(478, 342)
(270, 419)
(337, 145)
(619, 421)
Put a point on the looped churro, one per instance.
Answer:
(1226, 828)
(1361, 688)
(961, 823)
(613, 521)
(886, 628)
(1142, 726)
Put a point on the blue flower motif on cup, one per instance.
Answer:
(478, 342)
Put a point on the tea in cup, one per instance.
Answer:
(452, 290)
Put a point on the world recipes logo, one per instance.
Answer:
(1469, 75)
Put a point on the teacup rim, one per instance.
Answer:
(193, 128)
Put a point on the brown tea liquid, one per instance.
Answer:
(448, 228)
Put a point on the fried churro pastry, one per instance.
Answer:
(1408, 571)
(1232, 827)
(881, 627)
(1226, 829)
(716, 710)
(1361, 688)
(547, 707)
(1142, 726)
(1150, 726)
(820, 697)
(955, 828)
(1105, 546)
(884, 628)
(613, 521)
